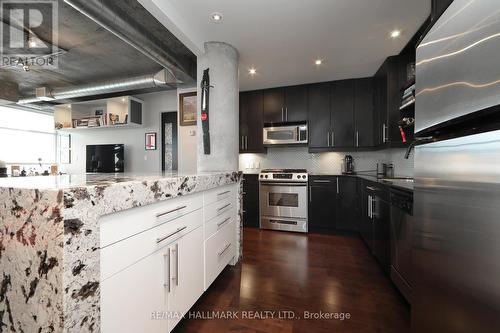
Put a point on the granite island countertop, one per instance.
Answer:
(49, 241)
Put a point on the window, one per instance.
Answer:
(26, 136)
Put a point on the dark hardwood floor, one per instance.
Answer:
(293, 272)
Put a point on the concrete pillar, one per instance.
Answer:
(222, 59)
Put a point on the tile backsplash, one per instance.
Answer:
(299, 157)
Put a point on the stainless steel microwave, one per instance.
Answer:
(285, 135)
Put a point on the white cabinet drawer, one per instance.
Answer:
(125, 253)
(218, 208)
(219, 193)
(219, 250)
(118, 226)
(216, 224)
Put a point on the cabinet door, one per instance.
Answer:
(342, 113)
(186, 278)
(135, 299)
(365, 221)
(251, 201)
(381, 232)
(296, 103)
(274, 105)
(251, 122)
(347, 202)
(363, 112)
(322, 207)
(319, 115)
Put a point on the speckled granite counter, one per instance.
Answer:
(49, 242)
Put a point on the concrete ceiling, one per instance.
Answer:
(93, 53)
(282, 38)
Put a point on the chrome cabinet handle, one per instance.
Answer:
(166, 262)
(370, 206)
(357, 139)
(328, 139)
(338, 191)
(333, 138)
(224, 249)
(220, 224)
(176, 252)
(384, 133)
(170, 211)
(219, 210)
(286, 113)
(310, 194)
(222, 193)
(282, 114)
(161, 239)
(241, 144)
(320, 181)
(246, 142)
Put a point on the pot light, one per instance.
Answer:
(395, 33)
(216, 17)
(318, 62)
(252, 71)
(32, 43)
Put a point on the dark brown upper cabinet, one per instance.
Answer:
(364, 113)
(251, 122)
(342, 114)
(319, 115)
(287, 104)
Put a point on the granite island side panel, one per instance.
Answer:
(49, 246)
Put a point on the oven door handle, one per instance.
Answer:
(279, 184)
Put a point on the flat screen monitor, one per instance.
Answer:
(105, 158)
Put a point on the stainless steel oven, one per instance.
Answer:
(285, 135)
(283, 200)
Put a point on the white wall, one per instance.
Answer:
(299, 157)
(137, 159)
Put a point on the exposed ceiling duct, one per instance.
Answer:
(125, 21)
(161, 79)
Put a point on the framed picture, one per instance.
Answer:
(150, 142)
(187, 109)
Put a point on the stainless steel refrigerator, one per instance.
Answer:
(456, 241)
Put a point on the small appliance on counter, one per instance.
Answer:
(348, 165)
(3, 169)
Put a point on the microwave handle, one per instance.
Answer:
(297, 134)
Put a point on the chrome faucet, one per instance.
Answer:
(417, 141)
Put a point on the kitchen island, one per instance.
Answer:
(50, 239)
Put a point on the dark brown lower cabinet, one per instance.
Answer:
(251, 201)
(375, 222)
(322, 195)
(333, 204)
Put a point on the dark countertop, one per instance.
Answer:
(398, 183)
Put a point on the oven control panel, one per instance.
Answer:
(283, 177)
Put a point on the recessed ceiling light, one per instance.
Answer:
(395, 33)
(32, 43)
(252, 71)
(318, 62)
(216, 17)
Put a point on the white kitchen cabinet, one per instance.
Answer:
(156, 261)
(129, 299)
(186, 278)
(219, 250)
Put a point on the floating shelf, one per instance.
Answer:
(122, 108)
